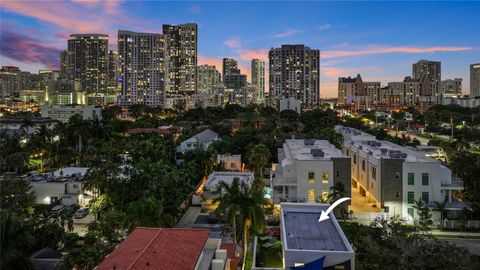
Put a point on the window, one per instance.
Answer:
(374, 172)
(425, 197)
(410, 212)
(75, 186)
(363, 165)
(325, 177)
(411, 197)
(397, 194)
(354, 159)
(311, 195)
(411, 179)
(311, 177)
(348, 152)
(425, 179)
(233, 165)
(338, 173)
(397, 175)
(324, 195)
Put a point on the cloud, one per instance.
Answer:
(287, 33)
(335, 72)
(323, 27)
(246, 54)
(28, 50)
(194, 9)
(375, 49)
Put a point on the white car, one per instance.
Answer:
(81, 213)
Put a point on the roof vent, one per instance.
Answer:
(309, 142)
(317, 153)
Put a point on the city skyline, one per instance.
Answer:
(35, 33)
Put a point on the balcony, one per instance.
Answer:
(455, 184)
(284, 181)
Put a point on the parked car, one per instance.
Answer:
(71, 209)
(57, 209)
(81, 213)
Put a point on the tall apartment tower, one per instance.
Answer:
(295, 72)
(88, 62)
(229, 66)
(64, 64)
(143, 68)
(431, 69)
(475, 80)
(182, 58)
(207, 78)
(258, 79)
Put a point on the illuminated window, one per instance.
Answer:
(311, 195)
(325, 177)
(324, 195)
(311, 177)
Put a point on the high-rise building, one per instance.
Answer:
(431, 69)
(13, 80)
(64, 66)
(182, 58)
(258, 79)
(295, 72)
(207, 78)
(229, 66)
(143, 68)
(450, 86)
(475, 80)
(88, 62)
(357, 93)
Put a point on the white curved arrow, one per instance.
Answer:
(324, 214)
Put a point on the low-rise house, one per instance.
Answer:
(307, 169)
(200, 140)
(169, 249)
(65, 184)
(308, 243)
(393, 177)
(231, 162)
(205, 193)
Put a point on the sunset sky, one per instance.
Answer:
(379, 40)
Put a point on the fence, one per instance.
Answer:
(457, 224)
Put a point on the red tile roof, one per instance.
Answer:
(231, 249)
(158, 248)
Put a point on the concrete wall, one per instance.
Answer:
(392, 185)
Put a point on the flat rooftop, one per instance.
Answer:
(302, 150)
(352, 134)
(382, 149)
(216, 177)
(302, 230)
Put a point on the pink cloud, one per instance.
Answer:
(335, 72)
(246, 54)
(386, 49)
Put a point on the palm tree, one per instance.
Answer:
(243, 202)
(337, 191)
(461, 144)
(229, 199)
(440, 207)
(258, 158)
(26, 124)
(252, 214)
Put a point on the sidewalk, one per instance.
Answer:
(454, 234)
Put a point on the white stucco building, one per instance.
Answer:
(65, 184)
(392, 177)
(64, 112)
(307, 169)
(202, 140)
